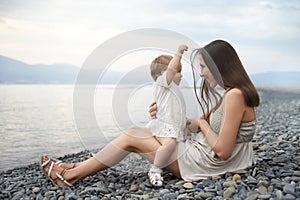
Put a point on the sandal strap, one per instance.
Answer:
(155, 169)
(59, 163)
(50, 169)
(46, 163)
(60, 176)
(156, 177)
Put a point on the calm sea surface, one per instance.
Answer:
(36, 119)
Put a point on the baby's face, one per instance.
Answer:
(177, 78)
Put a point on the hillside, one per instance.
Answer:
(16, 72)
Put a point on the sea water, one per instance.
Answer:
(36, 119)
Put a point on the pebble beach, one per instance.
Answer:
(276, 174)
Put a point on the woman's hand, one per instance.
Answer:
(153, 110)
(192, 125)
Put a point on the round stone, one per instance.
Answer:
(188, 185)
(134, 188)
(36, 190)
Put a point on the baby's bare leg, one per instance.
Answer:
(164, 152)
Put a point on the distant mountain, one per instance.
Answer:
(17, 72)
(283, 78)
(14, 71)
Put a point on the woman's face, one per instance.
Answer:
(205, 73)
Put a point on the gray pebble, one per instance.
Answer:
(289, 189)
(181, 191)
(289, 197)
(228, 193)
(36, 189)
(169, 196)
(228, 183)
(205, 195)
(252, 196)
(17, 197)
(296, 173)
(279, 194)
(94, 198)
(50, 193)
(182, 196)
(264, 196)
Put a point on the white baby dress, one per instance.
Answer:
(171, 110)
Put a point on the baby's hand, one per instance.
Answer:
(182, 48)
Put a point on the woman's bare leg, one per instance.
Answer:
(136, 139)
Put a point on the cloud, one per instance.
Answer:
(263, 58)
(67, 31)
(2, 21)
(266, 4)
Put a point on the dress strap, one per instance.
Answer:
(255, 110)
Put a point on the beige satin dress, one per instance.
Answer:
(197, 160)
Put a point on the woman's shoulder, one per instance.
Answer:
(235, 95)
(234, 92)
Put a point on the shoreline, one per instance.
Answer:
(275, 175)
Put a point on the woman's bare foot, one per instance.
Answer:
(62, 164)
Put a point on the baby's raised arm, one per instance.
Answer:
(174, 65)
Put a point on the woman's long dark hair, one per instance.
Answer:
(227, 69)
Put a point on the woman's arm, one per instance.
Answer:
(223, 143)
(193, 124)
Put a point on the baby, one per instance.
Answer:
(170, 124)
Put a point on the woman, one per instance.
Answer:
(227, 127)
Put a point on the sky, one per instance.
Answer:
(266, 34)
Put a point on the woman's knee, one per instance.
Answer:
(138, 132)
(134, 128)
(167, 141)
(130, 138)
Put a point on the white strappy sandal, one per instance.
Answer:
(48, 175)
(60, 163)
(155, 177)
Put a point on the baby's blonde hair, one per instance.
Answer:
(159, 65)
